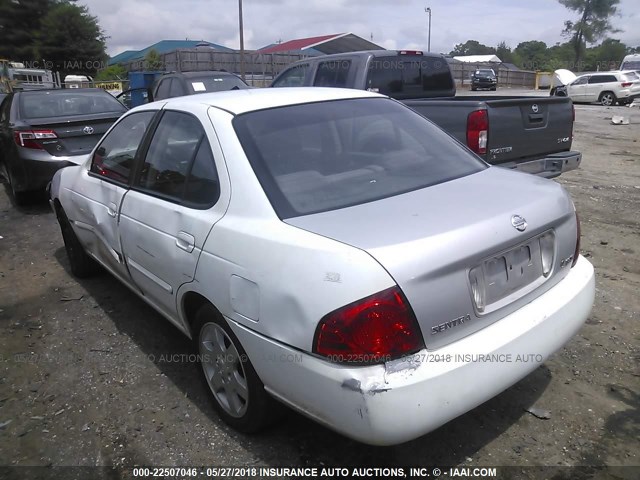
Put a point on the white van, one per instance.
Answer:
(631, 62)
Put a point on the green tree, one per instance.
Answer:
(153, 60)
(504, 53)
(532, 55)
(593, 24)
(609, 54)
(112, 72)
(472, 47)
(19, 26)
(72, 40)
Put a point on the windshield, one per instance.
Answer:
(630, 65)
(485, 72)
(324, 156)
(216, 83)
(63, 103)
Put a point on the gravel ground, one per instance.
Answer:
(90, 375)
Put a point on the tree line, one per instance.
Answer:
(59, 35)
(593, 24)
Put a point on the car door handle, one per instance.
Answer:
(185, 241)
(112, 209)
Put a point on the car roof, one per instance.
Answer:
(242, 101)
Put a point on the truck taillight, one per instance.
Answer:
(410, 52)
(478, 131)
(28, 138)
(376, 329)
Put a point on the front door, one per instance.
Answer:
(172, 207)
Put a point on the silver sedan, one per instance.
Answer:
(332, 250)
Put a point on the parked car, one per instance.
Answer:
(529, 134)
(178, 84)
(42, 131)
(606, 88)
(484, 78)
(348, 281)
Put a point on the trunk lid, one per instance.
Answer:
(430, 239)
(74, 136)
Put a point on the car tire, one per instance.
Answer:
(82, 265)
(20, 198)
(473, 89)
(607, 99)
(239, 396)
(493, 88)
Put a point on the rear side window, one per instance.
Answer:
(114, 158)
(324, 156)
(179, 165)
(602, 79)
(333, 73)
(412, 76)
(294, 77)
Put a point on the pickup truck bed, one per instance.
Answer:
(530, 134)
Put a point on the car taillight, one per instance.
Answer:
(626, 84)
(27, 138)
(376, 329)
(576, 254)
(477, 131)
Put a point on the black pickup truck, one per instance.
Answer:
(530, 134)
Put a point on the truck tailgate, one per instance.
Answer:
(523, 128)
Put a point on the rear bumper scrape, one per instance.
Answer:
(407, 398)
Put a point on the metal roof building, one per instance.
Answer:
(164, 46)
(322, 45)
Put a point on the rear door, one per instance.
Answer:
(523, 128)
(598, 84)
(172, 207)
(98, 197)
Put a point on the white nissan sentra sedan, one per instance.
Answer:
(330, 249)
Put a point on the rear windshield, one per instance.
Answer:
(63, 103)
(324, 156)
(216, 84)
(630, 77)
(410, 76)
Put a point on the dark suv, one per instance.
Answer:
(190, 83)
(484, 78)
(178, 84)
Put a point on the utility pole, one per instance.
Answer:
(241, 41)
(428, 10)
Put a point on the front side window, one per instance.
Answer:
(293, 77)
(179, 165)
(580, 81)
(324, 156)
(114, 158)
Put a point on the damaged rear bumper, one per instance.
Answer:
(404, 399)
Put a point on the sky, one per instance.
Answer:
(394, 24)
